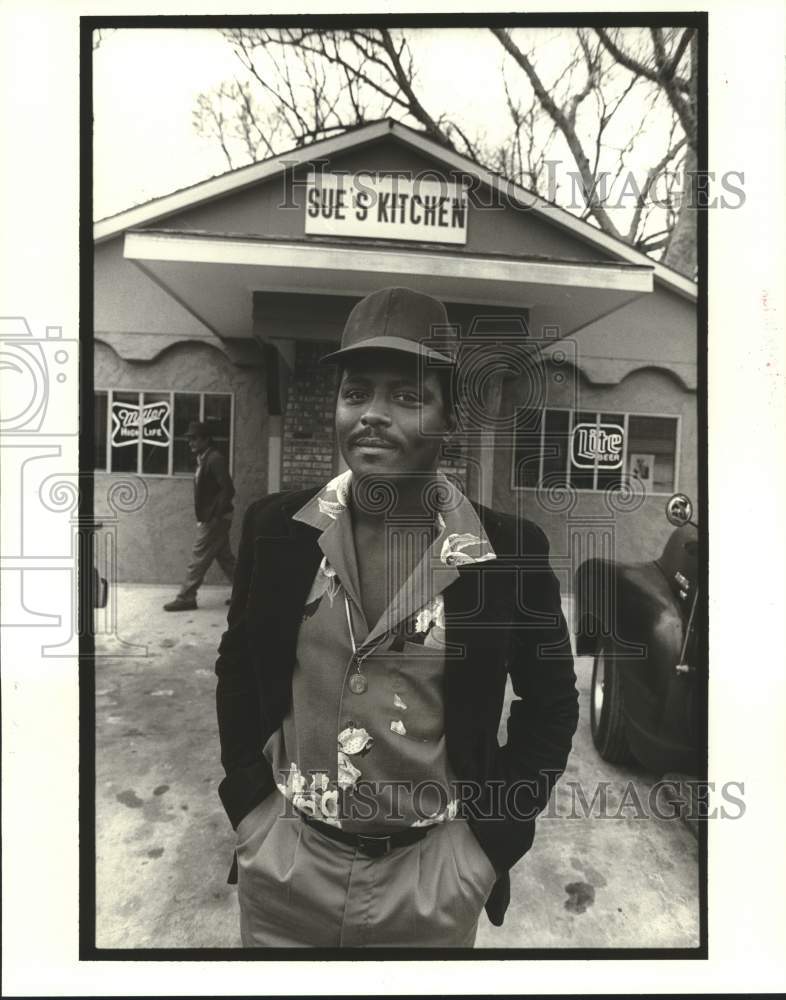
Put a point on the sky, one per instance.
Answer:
(146, 84)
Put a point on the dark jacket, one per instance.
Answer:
(506, 613)
(213, 487)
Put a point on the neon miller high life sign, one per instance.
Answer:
(126, 420)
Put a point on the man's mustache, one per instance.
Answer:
(374, 436)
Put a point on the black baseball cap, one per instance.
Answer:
(397, 319)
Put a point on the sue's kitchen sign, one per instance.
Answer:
(125, 424)
(597, 444)
(386, 207)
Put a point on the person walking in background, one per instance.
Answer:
(213, 492)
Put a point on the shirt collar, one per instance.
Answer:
(462, 538)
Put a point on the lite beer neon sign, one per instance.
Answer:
(597, 444)
(125, 424)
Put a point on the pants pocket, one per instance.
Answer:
(257, 823)
(267, 863)
(267, 840)
(473, 866)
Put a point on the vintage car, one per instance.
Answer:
(638, 621)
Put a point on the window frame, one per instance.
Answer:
(170, 393)
(625, 414)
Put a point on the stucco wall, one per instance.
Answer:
(639, 534)
(126, 300)
(154, 542)
(656, 329)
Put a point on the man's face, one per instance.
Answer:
(197, 444)
(390, 421)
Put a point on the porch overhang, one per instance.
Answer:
(215, 276)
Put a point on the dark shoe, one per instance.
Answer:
(180, 605)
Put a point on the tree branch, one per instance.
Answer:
(676, 99)
(566, 126)
(634, 65)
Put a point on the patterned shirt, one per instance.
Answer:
(368, 761)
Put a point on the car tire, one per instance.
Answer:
(607, 719)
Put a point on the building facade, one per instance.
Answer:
(577, 385)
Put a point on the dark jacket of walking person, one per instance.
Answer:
(213, 487)
(213, 493)
(361, 679)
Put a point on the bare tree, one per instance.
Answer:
(664, 67)
(659, 70)
(524, 157)
(296, 85)
(672, 65)
(313, 84)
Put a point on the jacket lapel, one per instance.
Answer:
(475, 664)
(461, 670)
(286, 559)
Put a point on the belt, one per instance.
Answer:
(371, 846)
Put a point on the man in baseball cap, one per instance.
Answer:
(394, 410)
(358, 698)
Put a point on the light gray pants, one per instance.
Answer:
(297, 887)
(211, 542)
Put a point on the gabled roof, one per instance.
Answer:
(233, 180)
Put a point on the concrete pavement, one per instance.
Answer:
(164, 845)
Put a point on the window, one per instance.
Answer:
(592, 450)
(160, 448)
